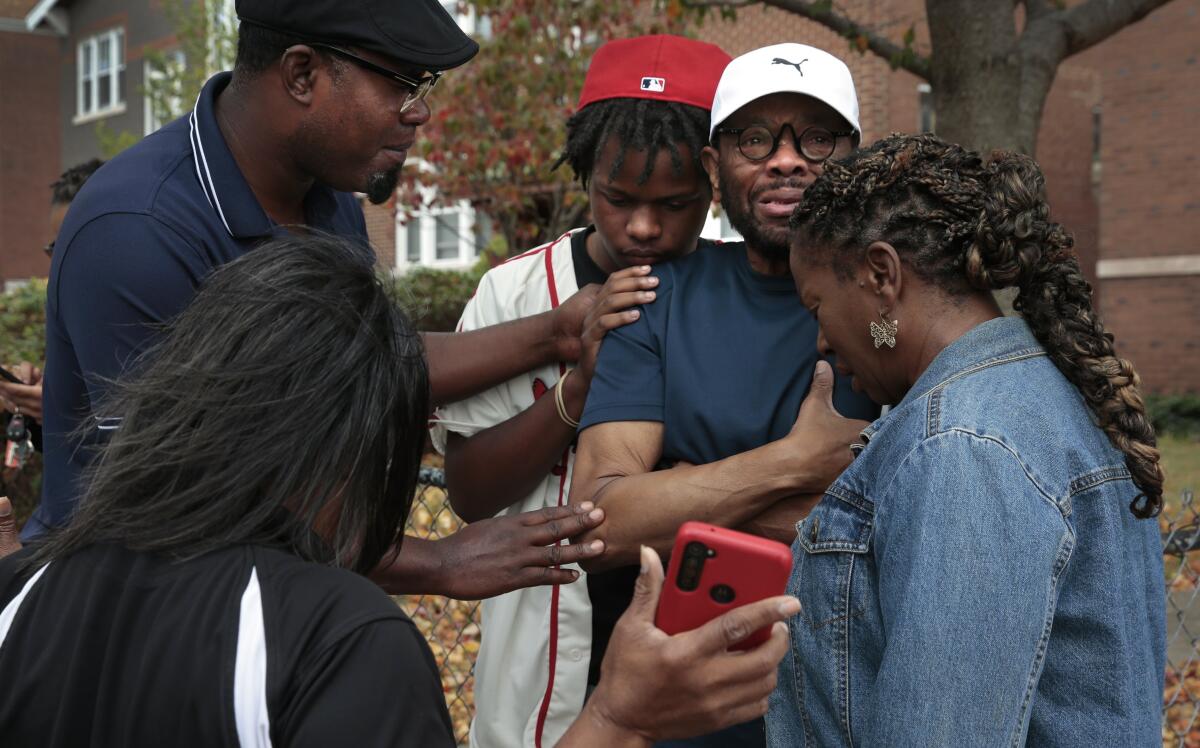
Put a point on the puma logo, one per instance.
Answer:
(781, 61)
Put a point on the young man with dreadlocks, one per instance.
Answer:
(635, 146)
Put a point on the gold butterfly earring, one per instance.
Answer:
(885, 334)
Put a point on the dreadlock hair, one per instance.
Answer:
(642, 124)
(967, 225)
(292, 393)
(67, 186)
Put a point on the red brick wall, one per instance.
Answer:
(1150, 186)
(1154, 321)
(1150, 189)
(381, 227)
(1064, 151)
(29, 150)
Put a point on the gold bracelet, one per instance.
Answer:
(560, 405)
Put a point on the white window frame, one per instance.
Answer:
(925, 92)
(717, 228)
(469, 21)
(151, 121)
(423, 221)
(89, 49)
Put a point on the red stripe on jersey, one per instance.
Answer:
(552, 287)
(541, 720)
(535, 250)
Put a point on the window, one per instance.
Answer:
(717, 227)
(926, 117)
(100, 62)
(163, 103)
(413, 241)
(441, 237)
(469, 20)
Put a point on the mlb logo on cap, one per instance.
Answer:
(639, 68)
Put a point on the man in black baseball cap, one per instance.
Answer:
(324, 101)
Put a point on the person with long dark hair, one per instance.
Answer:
(204, 592)
(988, 570)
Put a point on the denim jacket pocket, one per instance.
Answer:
(837, 523)
(832, 578)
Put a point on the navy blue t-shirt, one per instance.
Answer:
(723, 359)
(139, 238)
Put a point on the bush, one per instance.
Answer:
(23, 338)
(1178, 415)
(435, 298)
(23, 324)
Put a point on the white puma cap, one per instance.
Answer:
(790, 68)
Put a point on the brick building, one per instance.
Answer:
(29, 141)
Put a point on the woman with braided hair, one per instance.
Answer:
(987, 571)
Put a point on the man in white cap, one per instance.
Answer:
(711, 376)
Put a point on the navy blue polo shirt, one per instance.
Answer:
(138, 240)
(722, 358)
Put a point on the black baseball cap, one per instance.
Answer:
(418, 32)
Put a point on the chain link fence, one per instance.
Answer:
(1180, 524)
(452, 626)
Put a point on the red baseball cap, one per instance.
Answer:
(660, 67)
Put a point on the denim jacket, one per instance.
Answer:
(975, 577)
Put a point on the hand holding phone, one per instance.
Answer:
(713, 570)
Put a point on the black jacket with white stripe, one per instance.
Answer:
(243, 646)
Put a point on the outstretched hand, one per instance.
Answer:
(497, 555)
(662, 687)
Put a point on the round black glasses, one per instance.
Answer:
(758, 143)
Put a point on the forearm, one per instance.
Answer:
(778, 521)
(497, 467)
(416, 570)
(592, 728)
(648, 508)
(462, 364)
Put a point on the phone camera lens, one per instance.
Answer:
(722, 593)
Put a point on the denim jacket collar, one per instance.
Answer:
(986, 343)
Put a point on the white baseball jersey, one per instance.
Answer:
(532, 668)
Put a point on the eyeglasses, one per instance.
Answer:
(758, 143)
(418, 87)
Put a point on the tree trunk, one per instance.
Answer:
(984, 92)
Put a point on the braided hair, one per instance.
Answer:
(67, 186)
(642, 124)
(966, 225)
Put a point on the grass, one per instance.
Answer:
(1181, 463)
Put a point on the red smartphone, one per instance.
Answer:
(713, 570)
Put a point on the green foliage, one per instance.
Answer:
(499, 123)
(23, 338)
(207, 41)
(1177, 415)
(111, 142)
(23, 324)
(434, 299)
